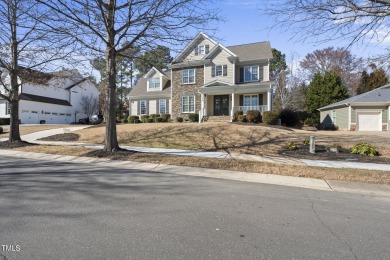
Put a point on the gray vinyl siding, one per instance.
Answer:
(342, 118)
(383, 108)
(326, 117)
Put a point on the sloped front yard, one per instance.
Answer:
(236, 138)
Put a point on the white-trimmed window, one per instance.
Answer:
(201, 49)
(251, 100)
(188, 104)
(219, 70)
(188, 76)
(162, 106)
(142, 107)
(251, 73)
(7, 108)
(154, 83)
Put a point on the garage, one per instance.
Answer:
(369, 121)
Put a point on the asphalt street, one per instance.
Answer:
(59, 210)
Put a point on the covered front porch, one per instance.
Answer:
(226, 100)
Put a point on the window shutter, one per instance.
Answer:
(196, 50)
(225, 70)
(213, 71)
(261, 99)
(147, 107)
(207, 48)
(139, 108)
(241, 74)
(167, 107)
(241, 100)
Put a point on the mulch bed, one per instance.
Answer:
(67, 137)
(8, 145)
(321, 154)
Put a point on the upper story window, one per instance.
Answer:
(154, 83)
(188, 76)
(202, 49)
(219, 70)
(251, 73)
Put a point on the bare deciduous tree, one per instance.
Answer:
(90, 105)
(25, 44)
(104, 26)
(321, 20)
(339, 60)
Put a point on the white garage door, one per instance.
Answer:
(369, 121)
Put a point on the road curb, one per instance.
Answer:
(291, 181)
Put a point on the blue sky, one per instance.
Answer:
(245, 23)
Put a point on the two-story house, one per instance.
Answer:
(213, 80)
(55, 98)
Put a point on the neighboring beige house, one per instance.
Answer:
(213, 80)
(151, 94)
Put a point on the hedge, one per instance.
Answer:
(193, 117)
(270, 118)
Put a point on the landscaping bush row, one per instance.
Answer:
(191, 117)
(360, 148)
(152, 118)
(287, 116)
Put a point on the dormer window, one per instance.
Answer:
(154, 84)
(201, 49)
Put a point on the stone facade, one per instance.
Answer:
(179, 90)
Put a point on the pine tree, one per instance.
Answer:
(324, 90)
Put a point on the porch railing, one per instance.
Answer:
(246, 108)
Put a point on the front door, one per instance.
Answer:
(221, 105)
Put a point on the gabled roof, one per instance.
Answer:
(41, 99)
(200, 35)
(378, 95)
(252, 51)
(216, 47)
(153, 69)
(140, 89)
(217, 83)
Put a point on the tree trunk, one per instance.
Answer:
(111, 142)
(14, 134)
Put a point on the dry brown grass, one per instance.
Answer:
(378, 177)
(24, 130)
(233, 138)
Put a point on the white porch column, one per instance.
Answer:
(201, 114)
(232, 111)
(269, 100)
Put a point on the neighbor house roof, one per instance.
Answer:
(34, 76)
(378, 95)
(140, 89)
(252, 51)
(30, 97)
